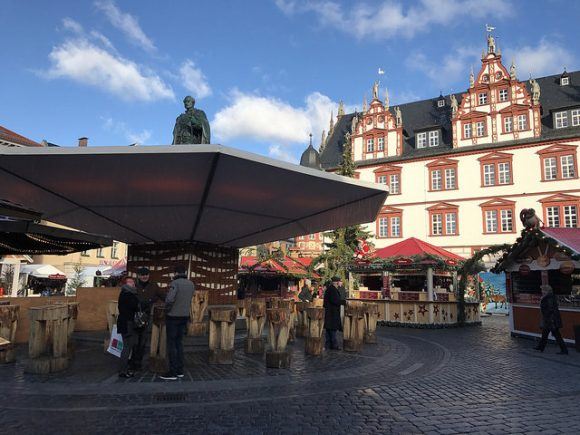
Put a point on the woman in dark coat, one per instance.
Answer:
(128, 305)
(332, 322)
(551, 320)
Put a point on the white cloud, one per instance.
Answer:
(269, 119)
(119, 127)
(194, 80)
(72, 25)
(548, 57)
(87, 63)
(392, 18)
(281, 152)
(126, 23)
(452, 68)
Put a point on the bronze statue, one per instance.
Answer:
(191, 127)
(529, 218)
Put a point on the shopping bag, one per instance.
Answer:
(115, 343)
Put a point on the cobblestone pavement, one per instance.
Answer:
(469, 380)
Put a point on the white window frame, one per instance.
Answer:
(437, 224)
(503, 92)
(394, 184)
(395, 226)
(491, 221)
(433, 138)
(370, 145)
(570, 214)
(564, 81)
(575, 115)
(482, 98)
(422, 139)
(561, 119)
(508, 124)
(381, 144)
(436, 179)
(441, 103)
(507, 220)
(567, 166)
(489, 174)
(467, 130)
(553, 216)
(450, 224)
(504, 173)
(450, 179)
(114, 250)
(522, 122)
(550, 168)
(383, 227)
(382, 179)
(480, 128)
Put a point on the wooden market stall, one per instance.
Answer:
(543, 256)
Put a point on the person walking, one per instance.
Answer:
(128, 305)
(332, 322)
(177, 309)
(149, 293)
(551, 320)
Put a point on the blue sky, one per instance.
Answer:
(266, 72)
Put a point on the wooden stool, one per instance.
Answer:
(273, 302)
(290, 305)
(48, 340)
(222, 330)
(354, 326)
(314, 342)
(8, 324)
(279, 325)
(158, 361)
(371, 312)
(255, 321)
(197, 326)
(301, 319)
(112, 314)
(241, 306)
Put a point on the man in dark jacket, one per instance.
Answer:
(305, 294)
(177, 308)
(128, 305)
(332, 322)
(551, 320)
(148, 293)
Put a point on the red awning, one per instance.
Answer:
(569, 237)
(412, 247)
(283, 266)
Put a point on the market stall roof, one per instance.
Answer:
(42, 271)
(203, 193)
(277, 266)
(569, 237)
(413, 247)
(18, 237)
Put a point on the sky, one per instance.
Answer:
(267, 73)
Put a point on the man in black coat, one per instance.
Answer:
(551, 320)
(128, 304)
(332, 322)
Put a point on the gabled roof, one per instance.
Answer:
(15, 138)
(413, 247)
(569, 237)
(420, 114)
(277, 266)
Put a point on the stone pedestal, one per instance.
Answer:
(277, 356)
(8, 324)
(354, 326)
(197, 326)
(112, 314)
(48, 340)
(158, 361)
(314, 342)
(371, 313)
(222, 330)
(255, 321)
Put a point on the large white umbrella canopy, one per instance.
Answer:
(202, 193)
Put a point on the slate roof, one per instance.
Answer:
(12, 137)
(421, 114)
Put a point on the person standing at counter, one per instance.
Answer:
(332, 321)
(551, 320)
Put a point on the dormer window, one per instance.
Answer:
(561, 119)
(482, 98)
(564, 81)
(434, 138)
(441, 103)
(421, 140)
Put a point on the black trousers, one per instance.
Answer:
(556, 333)
(136, 360)
(331, 339)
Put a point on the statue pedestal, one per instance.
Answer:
(255, 321)
(278, 322)
(222, 330)
(197, 326)
(158, 361)
(371, 312)
(354, 326)
(314, 343)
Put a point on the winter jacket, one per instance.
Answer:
(551, 318)
(305, 295)
(128, 305)
(332, 303)
(178, 300)
(148, 294)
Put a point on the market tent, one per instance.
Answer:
(413, 247)
(42, 271)
(569, 237)
(200, 193)
(277, 266)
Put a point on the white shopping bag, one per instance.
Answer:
(115, 343)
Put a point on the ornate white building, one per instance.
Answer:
(461, 167)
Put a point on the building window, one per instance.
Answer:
(570, 216)
(394, 184)
(564, 81)
(503, 94)
(522, 122)
(382, 179)
(421, 140)
(115, 250)
(467, 131)
(85, 254)
(381, 144)
(553, 214)
(370, 145)
(441, 103)
(550, 168)
(498, 216)
(575, 115)
(561, 119)
(480, 128)
(100, 253)
(482, 98)
(496, 169)
(436, 180)
(389, 224)
(449, 178)
(508, 124)
(504, 173)
(489, 175)
(558, 162)
(567, 165)
(312, 237)
(443, 220)
(433, 138)
(561, 211)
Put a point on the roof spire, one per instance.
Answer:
(471, 78)
(322, 141)
(386, 99)
(331, 125)
(310, 139)
(340, 109)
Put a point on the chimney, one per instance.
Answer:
(83, 141)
